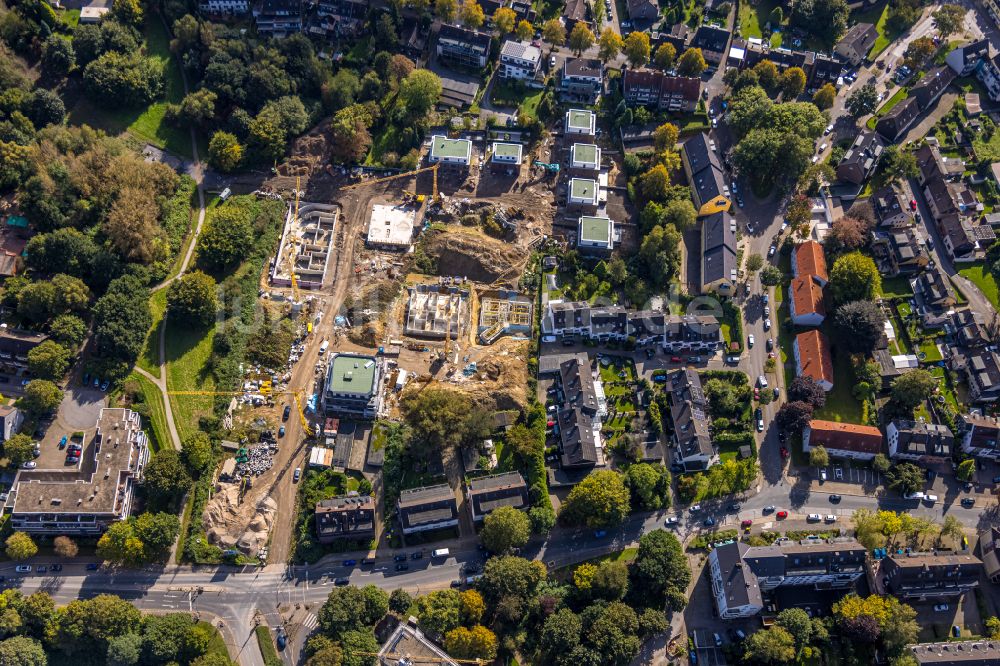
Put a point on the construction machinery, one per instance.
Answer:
(547, 166)
(415, 660)
(296, 396)
(435, 195)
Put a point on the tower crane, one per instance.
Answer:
(433, 169)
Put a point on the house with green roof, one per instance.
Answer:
(506, 154)
(582, 193)
(595, 233)
(450, 151)
(353, 386)
(585, 158)
(581, 122)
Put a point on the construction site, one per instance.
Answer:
(436, 311)
(305, 245)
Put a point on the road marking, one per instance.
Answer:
(311, 621)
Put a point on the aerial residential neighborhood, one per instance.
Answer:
(500, 331)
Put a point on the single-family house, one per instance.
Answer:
(580, 122)
(585, 159)
(450, 151)
(890, 207)
(856, 43)
(595, 234)
(713, 42)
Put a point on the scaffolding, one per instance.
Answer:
(435, 312)
(503, 313)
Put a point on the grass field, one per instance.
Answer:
(982, 278)
(877, 15)
(266, 645)
(145, 124)
(896, 287)
(188, 353)
(149, 359)
(753, 18)
(565, 574)
(217, 645)
(159, 435)
(841, 405)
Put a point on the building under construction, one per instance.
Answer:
(305, 246)
(391, 227)
(436, 311)
(503, 313)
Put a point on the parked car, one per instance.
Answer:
(760, 420)
(105, 384)
(672, 520)
(769, 343)
(767, 324)
(930, 499)
(941, 607)
(784, 452)
(968, 502)
(771, 250)
(349, 563)
(767, 509)
(746, 523)
(735, 506)
(416, 556)
(718, 640)
(281, 431)
(835, 498)
(286, 412)
(750, 340)
(708, 522)
(340, 582)
(695, 508)
(297, 475)
(42, 568)
(830, 518)
(822, 475)
(55, 567)
(776, 393)
(814, 518)
(23, 568)
(31, 464)
(762, 381)
(781, 515)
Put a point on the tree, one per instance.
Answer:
(912, 388)
(123, 80)
(691, 63)
(45, 107)
(127, 12)
(609, 45)
(400, 601)
(420, 91)
(966, 470)
(196, 452)
(471, 607)
(854, 277)
(560, 633)
(798, 623)
(862, 101)
(600, 500)
(125, 650)
(65, 547)
(439, 419)
(19, 448)
(767, 74)
(22, 651)
(192, 298)
(825, 96)
(771, 646)
(68, 330)
(918, 52)
(504, 19)
(952, 528)
(665, 137)
(350, 138)
(846, 235)
(446, 10)
(859, 325)
(666, 53)
(225, 152)
(794, 415)
(58, 57)
(906, 478)
(197, 108)
(165, 478)
(755, 262)
(899, 163)
(660, 572)
(20, 546)
(476, 643)
(827, 19)
(524, 30)
(799, 211)
(881, 463)
(554, 33)
(610, 581)
(352, 608)
(649, 486)
(41, 396)
(505, 528)
(793, 82)
(121, 320)
(226, 239)
(581, 38)
(636, 48)
(471, 14)
(770, 276)
(49, 360)
(659, 252)
(509, 576)
(36, 301)
(358, 648)
(805, 389)
(949, 20)
(818, 457)
(772, 156)
(655, 183)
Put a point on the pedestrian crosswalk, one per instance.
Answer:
(311, 622)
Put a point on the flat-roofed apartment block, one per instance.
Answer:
(348, 517)
(15, 344)
(581, 80)
(585, 159)
(391, 227)
(353, 386)
(583, 193)
(580, 122)
(428, 508)
(741, 575)
(488, 493)
(931, 576)
(463, 47)
(595, 233)
(407, 646)
(503, 313)
(450, 151)
(88, 498)
(519, 60)
(506, 154)
(436, 311)
(305, 246)
(981, 652)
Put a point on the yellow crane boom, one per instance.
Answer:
(433, 168)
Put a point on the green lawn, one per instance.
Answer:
(71, 17)
(986, 151)
(896, 287)
(877, 15)
(946, 388)
(896, 98)
(565, 574)
(982, 278)
(753, 18)
(930, 351)
(840, 403)
(529, 106)
(149, 359)
(188, 354)
(157, 426)
(266, 645)
(147, 124)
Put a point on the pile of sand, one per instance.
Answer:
(473, 255)
(229, 524)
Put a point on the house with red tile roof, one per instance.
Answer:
(812, 358)
(806, 305)
(808, 259)
(843, 440)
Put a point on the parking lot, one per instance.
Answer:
(847, 474)
(708, 653)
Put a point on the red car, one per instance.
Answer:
(756, 393)
(913, 204)
(675, 359)
(781, 515)
(746, 523)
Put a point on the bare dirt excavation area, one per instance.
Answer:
(383, 268)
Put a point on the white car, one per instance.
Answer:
(695, 508)
(771, 250)
(767, 324)
(23, 568)
(830, 518)
(814, 518)
(760, 424)
(823, 148)
(29, 465)
(762, 381)
(672, 520)
(750, 340)
(914, 496)
(767, 310)
(822, 475)
(930, 499)
(829, 128)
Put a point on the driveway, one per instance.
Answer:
(80, 408)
